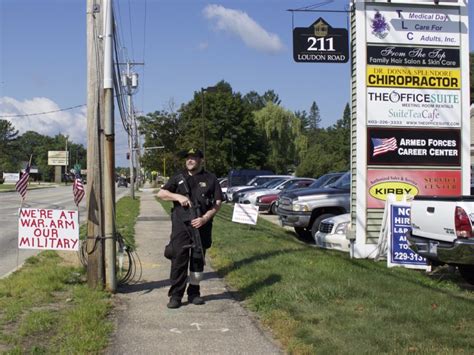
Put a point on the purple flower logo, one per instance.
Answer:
(379, 26)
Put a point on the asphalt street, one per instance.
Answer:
(58, 197)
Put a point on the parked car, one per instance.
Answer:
(326, 179)
(250, 196)
(267, 202)
(305, 209)
(256, 181)
(243, 176)
(332, 233)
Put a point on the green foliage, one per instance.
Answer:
(8, 145)
(128, 210)
(329, 149)
(15, 150)
(283, 134)
(220, 117)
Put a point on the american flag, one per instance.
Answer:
(22, 185)
(78, 188)
(384, 145)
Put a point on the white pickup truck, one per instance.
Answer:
(442, 231)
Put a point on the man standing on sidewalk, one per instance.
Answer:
(204, 191)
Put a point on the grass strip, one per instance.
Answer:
(47, 308)
(128, 210)
(321, 301)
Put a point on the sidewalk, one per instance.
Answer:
(146, 326)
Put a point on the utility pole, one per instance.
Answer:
(94, 242)
(130, 82)
(109, 151)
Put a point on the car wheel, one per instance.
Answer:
(467, 273)
(273, 208)
(303, 233)
(317, 222)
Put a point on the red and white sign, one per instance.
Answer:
(48, 229)
(380, 183)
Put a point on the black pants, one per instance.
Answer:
(182, 259)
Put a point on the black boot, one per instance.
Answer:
(194, 295)
(174, 303)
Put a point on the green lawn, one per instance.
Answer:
(320, 301)
(47, 308)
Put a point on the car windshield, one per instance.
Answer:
(273, 183)
(344, 182)
(259, 181)
(324, 180)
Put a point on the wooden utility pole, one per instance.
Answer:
(109, 152)
(95, 232)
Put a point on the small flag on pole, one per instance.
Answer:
(78, 188)
(22, 185)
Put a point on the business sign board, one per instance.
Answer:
(57, 157)
(399, 253)
(48, 229)
(401, 182)
(408, 77)
(413, 56)
(415, 26)
(11, 177)
(401, 107)
(405, 147)
(410, 90)
(320, 43)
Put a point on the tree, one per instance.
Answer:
(8, 137)
(224, 119)
(331, 152)
(161, 129)
(283, 133)
(254, 101)
(271, 96)
(314, 118)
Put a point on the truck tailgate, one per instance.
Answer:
(433, 219)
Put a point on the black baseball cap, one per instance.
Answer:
(193, 151)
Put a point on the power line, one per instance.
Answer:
(43, 113)
(130, 22)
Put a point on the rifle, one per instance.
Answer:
(195, 213)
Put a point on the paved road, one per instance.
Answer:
(53, 198)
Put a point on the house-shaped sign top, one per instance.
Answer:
(321, 28)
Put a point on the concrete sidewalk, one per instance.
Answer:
(146, 326)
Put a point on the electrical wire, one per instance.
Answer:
(44, 113)
(130, 23)
(143, 59)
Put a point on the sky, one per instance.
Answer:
(186, 45)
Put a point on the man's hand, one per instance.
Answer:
(183, 200)
(198, 222)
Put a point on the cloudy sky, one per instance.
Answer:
(186, 45)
